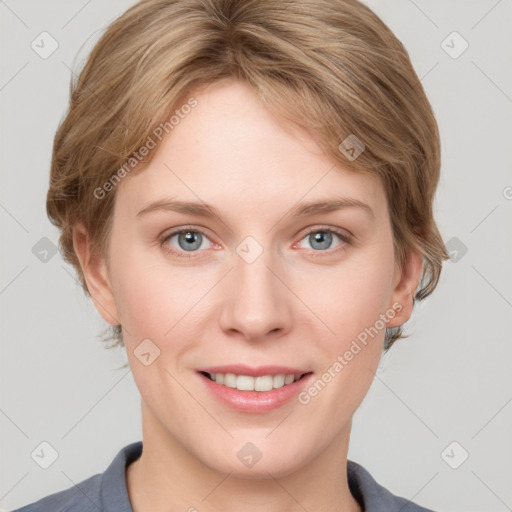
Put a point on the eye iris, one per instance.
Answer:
(192, 239)
(323, 237)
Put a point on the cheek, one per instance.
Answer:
(350, 299)
(358, 295)
(349, 357)
(156, 300)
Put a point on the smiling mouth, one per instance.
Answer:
(249, 383)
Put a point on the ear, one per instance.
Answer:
(406, 282)
(96, 276)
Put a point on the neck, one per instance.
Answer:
(168, 477)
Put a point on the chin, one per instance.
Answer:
(246, 461)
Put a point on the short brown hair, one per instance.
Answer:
(331, 67)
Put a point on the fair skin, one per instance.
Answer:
(300, 303)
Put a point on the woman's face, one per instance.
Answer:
(263, 285)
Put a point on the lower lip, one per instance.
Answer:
(255, 401)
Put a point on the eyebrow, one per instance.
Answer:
(299, 210)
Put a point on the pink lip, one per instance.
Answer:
(257, 371)
(255, 402)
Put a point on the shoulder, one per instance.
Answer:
(83, 496)
(372, 496)
(103, 492)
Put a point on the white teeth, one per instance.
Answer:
(263, 383)
(248, 383)
(245, 383)
(278, 381)
(289, 379)
(229, 380)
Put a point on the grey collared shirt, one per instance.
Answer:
(107, 492)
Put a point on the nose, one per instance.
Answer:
(258, 302)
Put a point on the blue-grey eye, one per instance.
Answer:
(188, 240)
(321, 239)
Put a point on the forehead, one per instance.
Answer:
(231, 150)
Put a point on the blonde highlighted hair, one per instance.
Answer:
(331, 67)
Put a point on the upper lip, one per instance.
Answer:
(254, 371)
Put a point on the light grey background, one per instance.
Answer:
(450, 381)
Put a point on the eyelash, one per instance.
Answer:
(347, 239)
